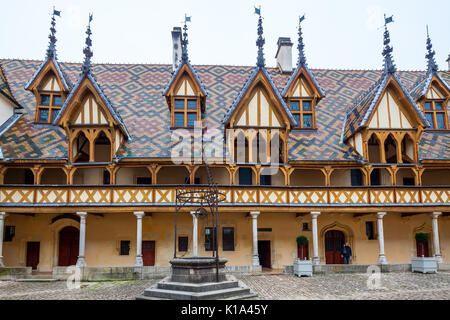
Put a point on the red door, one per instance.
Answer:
(148, 253)
(264, 253)
(33, 249)
(69, 238)
(334, 242)
(422, 249)
(302, 252)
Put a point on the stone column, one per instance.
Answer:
(2, 220)
(437, 247)
(255, 256)
(381, 256)
(316, 259)
(194, 234)
(139, 262)
(81, 262)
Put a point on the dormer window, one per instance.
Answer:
(49, 106)
(303, 112)
(436, 114)
(185, 112)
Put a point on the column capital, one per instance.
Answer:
(435, 215)
(315, 214)
(380, 215)
(255, 214)
(2, 215)
(139, 214)
(82, 214)
(193, 213)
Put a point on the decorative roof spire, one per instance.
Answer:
(184, 40)
(87, 50)
(389, 66)
(432, 66)
(301, 46)
(51, 51)
(260, 41)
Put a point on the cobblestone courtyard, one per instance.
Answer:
(272, 286)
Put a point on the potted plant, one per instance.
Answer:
(423, 264)
(302, 267)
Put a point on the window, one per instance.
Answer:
(124, 247)
(49, 107)
(245, 176)
(303, 112)
(143, 180)
(305, 226)
(10, 232)
(183, 243)
(210, 242)
(185, 112)
(370, 230)
(435, 112)
(356, 177)
(265, 180)
(228, 239)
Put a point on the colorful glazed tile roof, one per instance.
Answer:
(5, 90)
(136, 91)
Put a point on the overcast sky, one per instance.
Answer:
(337, 34)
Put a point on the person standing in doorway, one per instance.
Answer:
(346, 253)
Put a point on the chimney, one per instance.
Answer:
(284, 55)
(448, 61)
(176, 38)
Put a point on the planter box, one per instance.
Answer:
(303, 268)
(424, 265)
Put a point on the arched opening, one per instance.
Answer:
(408, 154)
(271, 177)
(422, 244)
(436, 177)
(380, 177)
(390, 150)
(80, 148)
(69, 238)
(276, 143)
(405, 177)
(18, 176)
(245, 176)
(91, 176)
(53, 176)
(220, 175)
(102, 148)
(307, 177)
(334, 243)
(173, 175)
(262, 149)
(347, 177)
(241, 149)
(133, 175)
(374, 149)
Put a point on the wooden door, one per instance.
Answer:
(422, 249)
(302, 252)
(334, 242)
(148, 253)
(264, 253)
(33, 250)
(69, 239)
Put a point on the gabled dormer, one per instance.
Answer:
(432, 93)
(385, 125)
(49, 84)
(185, 95)
(302, 93)
(94, 128)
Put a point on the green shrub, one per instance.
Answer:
(421, 237)
(302, 240)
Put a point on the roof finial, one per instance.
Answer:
(432, 66)
(87, 50)
(301, 46)
(260, 41)
(184, 40)
(389, 66)
(51, 51)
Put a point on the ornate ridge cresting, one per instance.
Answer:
(432, 66)
(389, 66)
(301, 46)
(86, 67)
(184, 41)
(260, 41)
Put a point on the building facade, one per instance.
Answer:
(91, 160)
